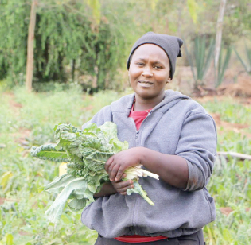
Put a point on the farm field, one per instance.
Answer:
(28, 119)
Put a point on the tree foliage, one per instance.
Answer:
(92, 38)
(67, 33)
(13, 37)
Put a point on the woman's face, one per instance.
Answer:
(149, 71)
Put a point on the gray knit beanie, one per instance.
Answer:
(170, 44)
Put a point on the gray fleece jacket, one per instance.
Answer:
(179, 126)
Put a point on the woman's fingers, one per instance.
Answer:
(119, 173)
(108, 163)
(121, 191)
(122, 186)
(113, 171)
(110, 168)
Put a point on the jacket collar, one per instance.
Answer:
(125, 103)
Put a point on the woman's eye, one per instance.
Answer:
(140, 64)
(157, 67)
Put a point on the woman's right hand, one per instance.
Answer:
(122, 186)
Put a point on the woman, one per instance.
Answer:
(170, 135)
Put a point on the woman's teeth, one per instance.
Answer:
(145, 84)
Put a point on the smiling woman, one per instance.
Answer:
(148, 74)
(169, 134)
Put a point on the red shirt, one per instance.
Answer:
(138, 117)
(139, 239)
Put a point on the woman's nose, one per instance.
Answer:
(147, 73)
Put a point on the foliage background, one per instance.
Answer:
(28, 119)
(83, 45)
(89, 41)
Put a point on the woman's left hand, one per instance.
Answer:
(118, 163)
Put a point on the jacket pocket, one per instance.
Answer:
(211, 204)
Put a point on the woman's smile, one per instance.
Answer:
(145, 84)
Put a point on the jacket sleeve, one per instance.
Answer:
(102, 116)
(197, 144)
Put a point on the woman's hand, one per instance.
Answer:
(106, 190)
(118, 163)
(122, 186)
(113, 187)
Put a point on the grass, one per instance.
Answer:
(28, 119)
(230, 184)
(230, 110)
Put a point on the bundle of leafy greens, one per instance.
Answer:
(86, 153)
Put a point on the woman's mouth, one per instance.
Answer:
(145, 84)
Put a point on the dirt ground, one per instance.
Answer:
(236, 83)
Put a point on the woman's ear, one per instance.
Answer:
(168, 80)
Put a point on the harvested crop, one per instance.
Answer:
(86, 153)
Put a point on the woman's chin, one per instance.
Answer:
(145, 95)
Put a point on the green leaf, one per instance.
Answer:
(95, 6)
(193, 8)
(92, 188)
(65, 219)
(154, 4)
(249, 192)
(77, 204)
(50, 152)
(9, 239)
(56, 209)
(5, 178)
(138, 189)
(59, 183)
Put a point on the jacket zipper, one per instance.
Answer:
(135, 206)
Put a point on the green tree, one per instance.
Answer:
(13, 37)
(66, 33)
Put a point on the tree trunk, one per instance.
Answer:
(73, 67)
(29, 62)
(219, 28)
(180, 18)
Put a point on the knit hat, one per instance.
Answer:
(170, 44)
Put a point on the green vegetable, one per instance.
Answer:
(86, 153)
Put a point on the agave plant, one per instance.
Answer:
(246, 65)
(202, 56)
(222, 64)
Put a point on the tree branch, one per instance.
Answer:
(234, 154)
